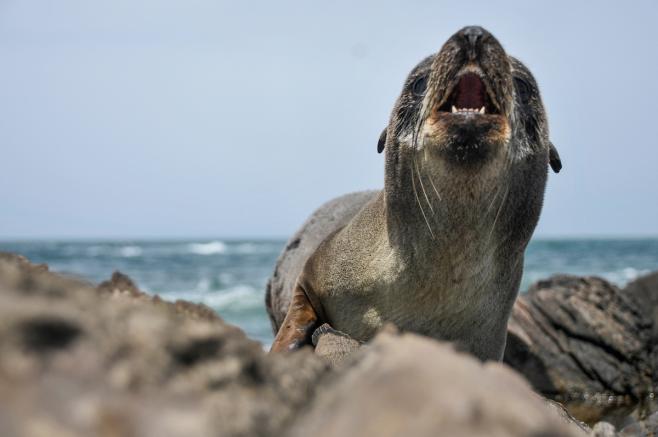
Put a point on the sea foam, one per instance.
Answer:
(130, 251)
(212, 248)
(238, 297)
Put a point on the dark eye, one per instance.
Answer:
(523, 89)
(419, 86)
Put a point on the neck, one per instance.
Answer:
(435, 210)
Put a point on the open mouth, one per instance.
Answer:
(469, 97)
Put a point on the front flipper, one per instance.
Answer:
(299, 324)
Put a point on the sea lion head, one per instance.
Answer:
(468, 109)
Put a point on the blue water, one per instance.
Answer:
(230, 276)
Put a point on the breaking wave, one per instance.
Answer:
(130, 251)
(212, 248)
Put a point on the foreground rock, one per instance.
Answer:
(584, 342)
(79, 360)
(413, 386)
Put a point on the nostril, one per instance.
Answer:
(473, 34)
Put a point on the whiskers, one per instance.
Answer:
(500, 208)
(413, 184)
(419, 172)
(422, 186)
(501, 205)
(429, 176)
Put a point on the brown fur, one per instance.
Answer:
(440, 250)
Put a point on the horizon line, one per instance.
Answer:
(174, 238)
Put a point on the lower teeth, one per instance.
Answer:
(468, 110)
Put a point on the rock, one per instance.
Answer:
(77, 360)
(604, 429)
(583, 342)
(644, 291)
(409, 385)
(111, 360)
(632, 427)
(332, 345)
(326, 219)
(122, 285)
(651, 424)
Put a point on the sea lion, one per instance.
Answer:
(439, 251)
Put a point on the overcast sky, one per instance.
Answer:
(194, 118)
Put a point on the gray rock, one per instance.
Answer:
(604, 429)
(651, 424)
(633, 427)
(77, 360)
(333, 346)
(644, 291)
(583, 342)
(409, 385)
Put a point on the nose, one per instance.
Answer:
(473, 34)
(473, 37)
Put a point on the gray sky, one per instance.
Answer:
(160, 118)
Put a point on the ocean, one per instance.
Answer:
(230, 275)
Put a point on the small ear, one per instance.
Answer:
(554, 158)
(382, 141)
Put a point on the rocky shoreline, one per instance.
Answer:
(78, 359)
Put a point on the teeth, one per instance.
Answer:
(467, 110)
